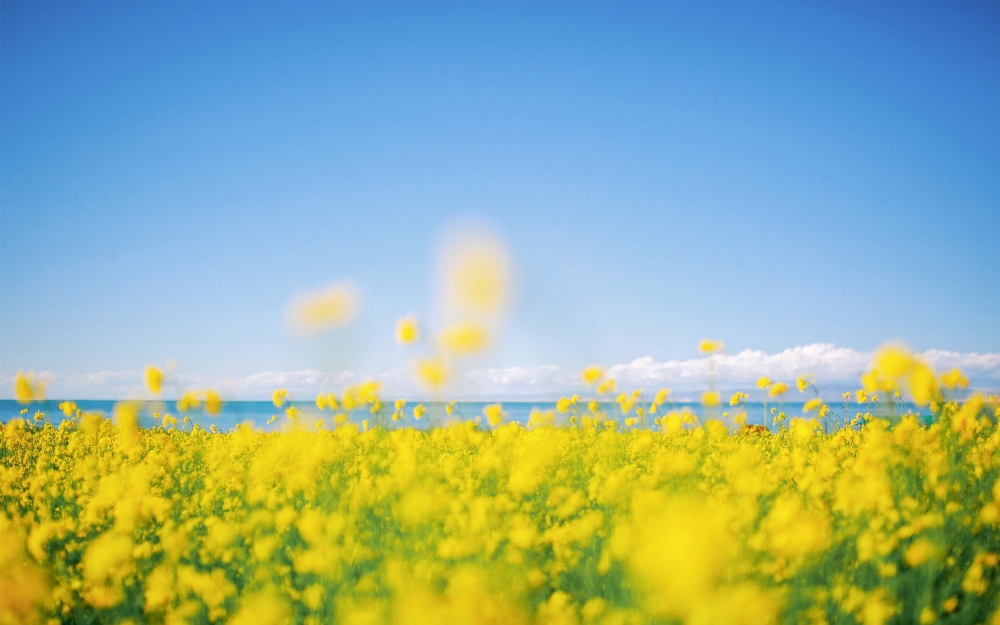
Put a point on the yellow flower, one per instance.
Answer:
(592, 375)
(188, 401)
(462, 339)
(278, 398)
(336, 305)
(923, 385)
(494, 414)
(475, 271)
(607, 386)
(812, 404)
(26, 389)
(320, 402)
(778, 388)
(154, 379)
(432, 373)
(213, 402)
(764, 382)
(400, 404)
(418, 411)
(710, 399)
(368, 391)
(661, 396)
(802, 382)
(738, 398)
(707, 346)
(918, 552)
(407, 330)
(954, 379)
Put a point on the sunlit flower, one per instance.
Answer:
(154, 379)
(707, 346)
(333, 306)
(407, 330)
(464, 338)
(592, 375)
(432, 373)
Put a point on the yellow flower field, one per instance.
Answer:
(601, 519)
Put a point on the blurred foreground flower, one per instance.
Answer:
(407, 330)
(27, 389)
(334, 306)
(475, 272)
(154, 379)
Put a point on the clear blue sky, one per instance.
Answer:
(172, 173)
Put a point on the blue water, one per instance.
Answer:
(259, 412)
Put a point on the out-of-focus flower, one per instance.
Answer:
(812, 404)
(213, 402)
(710, 399)
(777, 389)
(432, 373)
(407, 330)
(154, 379)
(476, 273)
(334, 306)
(494, 414)
(954, 379)
(27, 389)
(592, 375)
(462, 339)
(764, 382)
(279, 397)
(708, 346)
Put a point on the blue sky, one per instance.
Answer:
(171, 175)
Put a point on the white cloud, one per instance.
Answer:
(835, 368)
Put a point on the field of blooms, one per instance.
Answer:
(582, 516)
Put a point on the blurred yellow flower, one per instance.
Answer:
(336, 305)
(592, 375)
(778, 388)
(812, 404)
(407, 330)
(607, 386)
(27, 389)
(154, 379)
(494, 414)
(764, 382)
(707, 346)
(213, 402)
(954, 379)
(432, 373)
(278, 397)
(710, 399)
(462, 339)
(475, 268)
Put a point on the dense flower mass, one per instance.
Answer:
(581, 517)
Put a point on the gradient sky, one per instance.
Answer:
(172, 174)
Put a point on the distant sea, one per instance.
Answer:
(259, 412)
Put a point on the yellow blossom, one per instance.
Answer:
(154, 379)
(707, 346)
(592, 375)
(333, 306)
(407, 330)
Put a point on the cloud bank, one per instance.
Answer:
(836, 369)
